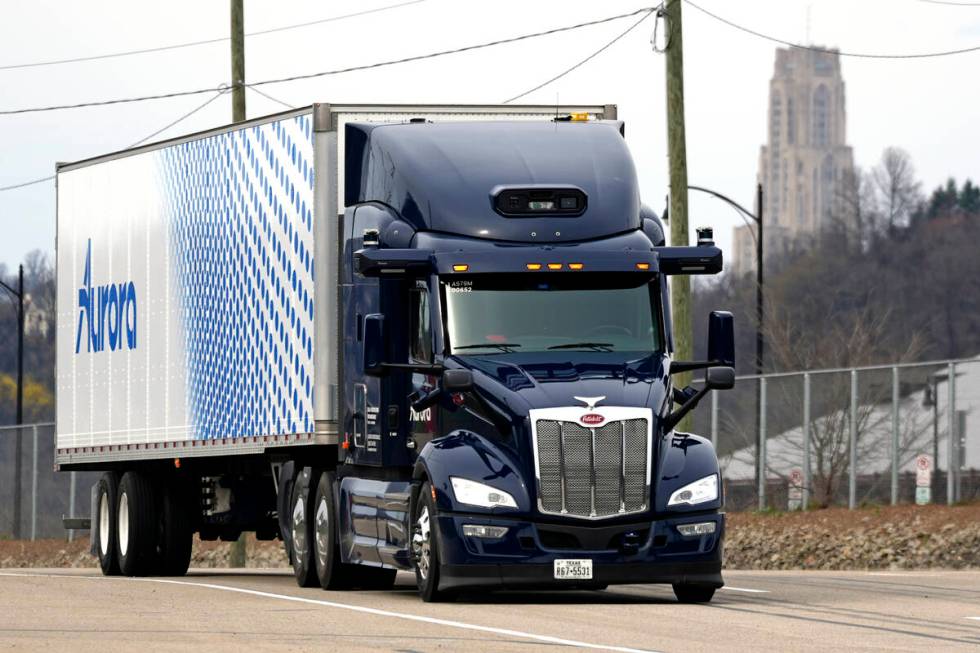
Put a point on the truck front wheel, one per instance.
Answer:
(425, 546)
(687, 593)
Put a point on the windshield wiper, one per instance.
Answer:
(505, 347)
(597, 346)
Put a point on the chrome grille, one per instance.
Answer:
(592, 472)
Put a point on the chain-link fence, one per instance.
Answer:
(826, 437)
(880, 434)
(33, 497)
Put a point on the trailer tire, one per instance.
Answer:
(104, 528)
(301, 528)
(176, 532)
(688, 593)
(137, 532)
(425, 546)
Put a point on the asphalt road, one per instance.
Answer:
(235, 610)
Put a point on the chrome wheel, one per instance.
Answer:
(104, 517)
(422, 543)
(122, 523)
(299, 528)
(322, 532)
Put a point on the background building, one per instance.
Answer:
(806, 165)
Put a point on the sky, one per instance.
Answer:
(927, 107)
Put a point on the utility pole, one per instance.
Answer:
(759, 338)
(680, 285)
(18, 442)
(237, 552)
(237, 61)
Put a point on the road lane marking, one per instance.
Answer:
(357, 608)
(974, 618)
(744, 589)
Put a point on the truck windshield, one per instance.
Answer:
(515, 313)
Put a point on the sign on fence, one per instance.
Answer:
(795, 490)
(923, 479)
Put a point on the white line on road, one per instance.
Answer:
(744, 589)
(357, 608)
(974, 618)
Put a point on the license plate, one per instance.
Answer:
(573, 569)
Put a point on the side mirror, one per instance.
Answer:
(457, 381)
(374, 344)
(721, 339)
(719, 378)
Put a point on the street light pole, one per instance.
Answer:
(759, 303)
(18, 442)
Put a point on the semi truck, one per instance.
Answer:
(429, 338)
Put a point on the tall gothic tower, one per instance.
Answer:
(806, 165)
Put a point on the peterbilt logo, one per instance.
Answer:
(592, 419)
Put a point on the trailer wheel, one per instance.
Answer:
(105, 524)
(425, 546)
(687, 593)
(176, 533)
(137, 527)
(301, 528)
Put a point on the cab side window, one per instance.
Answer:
(420, 329)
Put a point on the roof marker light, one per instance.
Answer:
(642, 266)
(460, 267)
(575, 266)
(579, 116)
(533, 266)
(554, 266)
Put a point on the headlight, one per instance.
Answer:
(478, 494)
(705, 489)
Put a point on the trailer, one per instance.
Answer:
(395, 337)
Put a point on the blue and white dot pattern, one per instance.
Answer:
(240, 213)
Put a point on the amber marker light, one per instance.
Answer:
(533, 266)
(576, 266)
(642, 266)
(460, 267)
(554, 266)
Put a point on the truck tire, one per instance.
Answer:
(137, 532)
(301, 527)
(105, 524)
(176, 532)
(687, 593)
(331, 572)
(425, 546)
(284, 496)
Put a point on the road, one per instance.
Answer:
(233, 610)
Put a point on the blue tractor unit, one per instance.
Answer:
(473, 328)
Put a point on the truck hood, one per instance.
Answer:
(522, 381)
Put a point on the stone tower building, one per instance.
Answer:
(806, 165)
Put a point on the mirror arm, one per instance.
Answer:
(420, 403)
(423, 368)
(676, 416)
(676, 367)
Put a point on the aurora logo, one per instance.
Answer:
(108, 313)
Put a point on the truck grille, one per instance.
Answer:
(592, 472)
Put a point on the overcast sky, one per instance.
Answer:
(928, 107)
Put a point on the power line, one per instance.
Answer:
(816, 48)
(189, 44)
(269, 97)
(382, 64)
(583, 61)
(952, 4)
(139, 142)
(467, 48)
